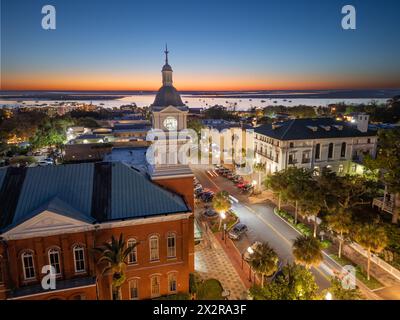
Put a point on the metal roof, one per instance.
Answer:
(77, 190)
(300, 129)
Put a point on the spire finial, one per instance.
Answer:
(166, 53)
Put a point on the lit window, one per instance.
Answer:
(354, 168)
(171, 246)
(340, 170)
(172, 285)
(134, 289)
(132, 257)
(79, 258)
(28, 266)
(54, 260)
(155, 286)
(154, 252)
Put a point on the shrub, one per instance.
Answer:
(325, 244)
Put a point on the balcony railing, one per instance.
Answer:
(305, 161)
(294, 161)
(384, 205)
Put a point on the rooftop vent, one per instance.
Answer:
(275, 126)
(339, 127)
(326, 128)
(312, 128)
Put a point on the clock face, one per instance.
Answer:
(170, 123)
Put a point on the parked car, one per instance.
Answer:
(207, 196)
(237, 179)
(45, 163)
(210, 213)
(242, 184)
(236, 232)
(247, 254)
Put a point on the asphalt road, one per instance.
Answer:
(265, 226)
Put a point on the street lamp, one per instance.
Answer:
(328, 296)
(250, 251)
(222, 217)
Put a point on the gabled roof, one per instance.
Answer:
(88, 192)
(311, 128)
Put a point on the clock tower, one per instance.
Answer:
(169, 113)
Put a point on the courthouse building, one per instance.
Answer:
(56, 215)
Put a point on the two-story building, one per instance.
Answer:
(315, 143)
(56, 215)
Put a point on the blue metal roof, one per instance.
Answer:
(69, 190)
(3, 172)
(133, 195)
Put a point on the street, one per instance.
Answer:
(265, 226)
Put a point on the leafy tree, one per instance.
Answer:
(307, 251)
(115, 255)
(221, 203)
(339, 292)
(372, 237)
(264, 261)
(294, 283)
(278, 183)
(340, 222)
(299, 179)
(311, 203)
(387, 163)
(195, 125)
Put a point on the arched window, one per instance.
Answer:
(343, 150)
(154, 248)
(28, 265)
(155, 286)
(171, 245)
(79, 258)
(132, 257)
(330, 151)
(172, 283)
(134, 289)
(54, 260)
(317, 151)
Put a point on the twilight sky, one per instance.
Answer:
(214, 45)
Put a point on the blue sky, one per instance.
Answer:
(260, 44)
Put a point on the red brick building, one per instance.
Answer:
(56, 215)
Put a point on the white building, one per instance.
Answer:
(315, 144)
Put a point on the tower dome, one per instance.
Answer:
(167, 95)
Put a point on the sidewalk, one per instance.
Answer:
(211, 261)
(235, 256)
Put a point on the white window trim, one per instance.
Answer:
(173, 235)
(76, 248)
(159, 286)
(158, 248)
(135, 250)
(59, 258)
(172, 274)
(137, 287)
(33, 265)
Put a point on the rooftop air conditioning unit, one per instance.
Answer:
(312, 128)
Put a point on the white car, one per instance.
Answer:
(45, 163)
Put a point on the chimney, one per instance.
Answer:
(362, 122)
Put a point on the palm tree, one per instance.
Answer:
(115, 254)
(264, 260)
(259, 168)
(372, 238)
(340, 222)
(307, 251)
(221, 204)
